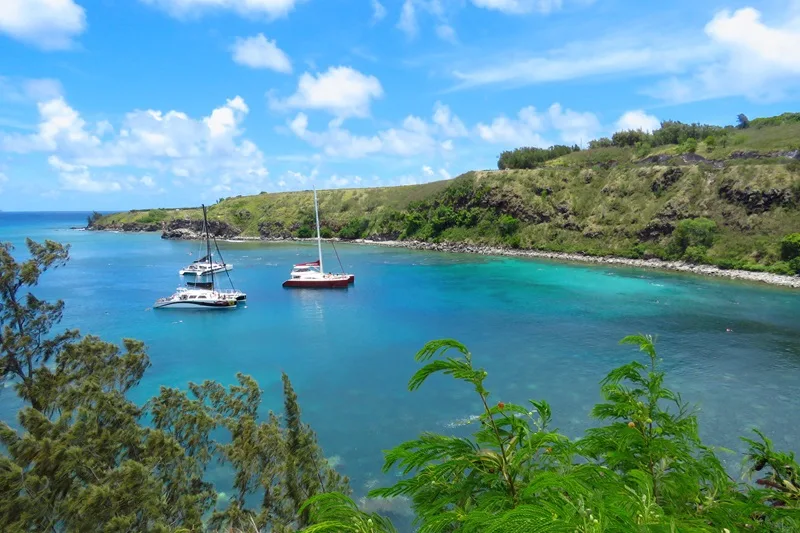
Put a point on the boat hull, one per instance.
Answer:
(341, 283)
(223, 304)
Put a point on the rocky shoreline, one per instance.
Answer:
(675, 266)
(189, 233)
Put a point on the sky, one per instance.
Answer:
(121, 104)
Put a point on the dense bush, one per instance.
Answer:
(785, 118)
(790, 247)
(695, 233)
(528, 157)
(305, 231)
(354, 229)
(508, 225)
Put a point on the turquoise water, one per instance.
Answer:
(542, 329)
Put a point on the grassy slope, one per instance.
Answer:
(577, 203)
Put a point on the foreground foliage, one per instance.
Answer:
(85, 458)
(644, 469)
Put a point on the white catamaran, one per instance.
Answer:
(204, 294)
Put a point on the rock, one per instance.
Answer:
(273, 230)
(656, 229)
(193, 229)
(693, 158)
(755, 200)
(667, 178)
(658, 159)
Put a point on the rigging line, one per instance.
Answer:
(219, 253)
(337, 257)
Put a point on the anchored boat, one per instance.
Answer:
(311, 275)
(201, 294)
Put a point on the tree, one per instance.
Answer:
(88, 459)
(93, 218)
(697, 233)
(25, 321)
(742, 122)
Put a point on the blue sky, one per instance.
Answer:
(118, 104)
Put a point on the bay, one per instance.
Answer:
(542, 329)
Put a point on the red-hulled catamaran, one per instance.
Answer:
(311, 275)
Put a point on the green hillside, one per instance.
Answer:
(724, 196)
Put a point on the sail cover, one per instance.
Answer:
(310, 264)
(206, 259)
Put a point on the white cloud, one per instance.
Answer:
(408, 20)
(625, 56)
(22, 90)
(444, 174)
(527, 129)
(148, 182)
(450, 124)
(46, 24)
(427, 171)
(637, 120)
(574, 127)
(378, 11)
(200, 150)
(752, 59)
(518, 7)
(260, 52)
(523, 132)
(342, 91)
(446, 33)
(415, 136)
(78, 178)
(247, 8)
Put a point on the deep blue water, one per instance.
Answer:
(542, 329)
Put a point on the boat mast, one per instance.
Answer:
(319, 239)
(208, 247)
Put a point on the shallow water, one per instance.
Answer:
(542, 329)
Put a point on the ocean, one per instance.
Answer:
(542, 329)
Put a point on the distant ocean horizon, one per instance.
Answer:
(542, 329)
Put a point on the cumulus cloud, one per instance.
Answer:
(526, 130)
(46, 24)
(637, 120)
(753, 59)
(208, 150)
(261, 53)
(342, 91)
(413, 137)
(78, 178)
(247, 8)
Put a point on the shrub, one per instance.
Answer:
(354, 229)
(93, 218)
(630, 138)
(689, 146)
(794, 264)
(695, 254)
(326, 233)
(790, 247)
(508, 225)
(305, 232)
(783, 268)
(513, 241)
(413, 222)
(692, 232)
(529, 157)
(711, 142)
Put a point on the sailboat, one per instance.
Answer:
(312, 275)
(204, 294)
